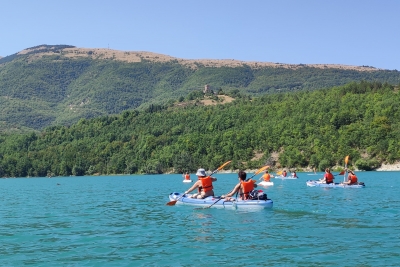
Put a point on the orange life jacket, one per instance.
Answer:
(329, 177)
(187, 176)
(247, 187)
(353, 178)
(206, 183)
(267, 177)
(284, 174)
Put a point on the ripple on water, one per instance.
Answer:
(123, 221)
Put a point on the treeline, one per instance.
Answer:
(316, 128)
(59, 90)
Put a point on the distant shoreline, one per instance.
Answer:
(385, 167)
(390, 167)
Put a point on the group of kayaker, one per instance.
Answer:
(204, 184)
(267, 176)
(328, 177)
(205, 187)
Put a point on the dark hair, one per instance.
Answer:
(242, 175)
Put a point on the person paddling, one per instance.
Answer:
(351, 179)
(204, 185)
(267, 177)
(186, 176)
(243, 187)
(328, 177)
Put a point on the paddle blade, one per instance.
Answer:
(172, 203)
(346, 159)
(223, 165)
(261, 169)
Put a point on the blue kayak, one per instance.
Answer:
(317, 183)
(218, 202)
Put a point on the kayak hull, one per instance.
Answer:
(313, 183)
(222, 204)
(187, 181)
(264, 183)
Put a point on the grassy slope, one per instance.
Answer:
(59, 85)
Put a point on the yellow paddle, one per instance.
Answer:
(258, 171)
(346, 160)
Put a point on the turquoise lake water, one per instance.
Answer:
(123, 221)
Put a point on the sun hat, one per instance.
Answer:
(201, 172)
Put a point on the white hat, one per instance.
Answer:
(201, 172)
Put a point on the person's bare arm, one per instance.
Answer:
(235, 189)
(196, 184)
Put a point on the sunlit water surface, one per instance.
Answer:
(123, 221)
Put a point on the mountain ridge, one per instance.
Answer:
(139, 56)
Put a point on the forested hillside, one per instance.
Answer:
(303, 128)
(58, 85)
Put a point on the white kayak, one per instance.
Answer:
(264, 183)
(218, 202)
(317, 183)
(187, 181)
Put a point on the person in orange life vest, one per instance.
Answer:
(284, 173)
(243, 187)
(186, 176)
(267, 177)
(351, 179)
(294, 174)
(204, 185)
(328, 177)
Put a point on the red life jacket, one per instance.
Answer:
(247, 187)
(206, 183)
(187, 177)
(267, 177)
(329, 177)
(353, 178)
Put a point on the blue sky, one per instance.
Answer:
(350, 32)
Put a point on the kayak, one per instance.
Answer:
(217, 202)
(264, 183)
(187, 181)
(286, 178)
(317, 183)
